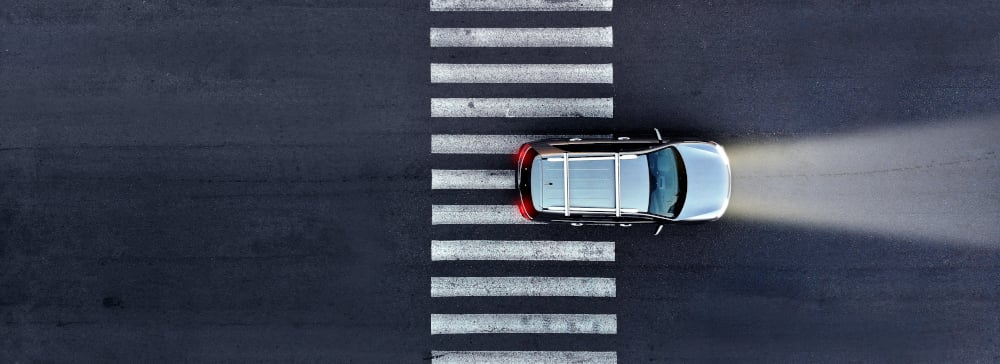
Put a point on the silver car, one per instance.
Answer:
(623, 181)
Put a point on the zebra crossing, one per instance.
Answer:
(521, 37)
(522, 107)
(570, 251)
(522, 73)
(521, 5)
(522, 286)
(487, 250)
(460, 179)
(548, 323)
(503, 357)
(489, 144)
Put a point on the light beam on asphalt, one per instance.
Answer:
(936, 182)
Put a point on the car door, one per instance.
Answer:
(591, 221)
(630, 220)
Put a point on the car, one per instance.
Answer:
(623, 180)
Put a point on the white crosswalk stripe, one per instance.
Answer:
(522, 286)
(476, 215)
(521, 5)
(524, 357)
(542, 250)
(472, 179)
(490, 144)
(601, 324)
(521, 73)
(522, 107)
(521, 37)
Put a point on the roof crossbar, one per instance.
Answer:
(566, 184)
(618, 185)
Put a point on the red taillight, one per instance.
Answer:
(522, 206)
(523, 162)
(520, 154)
(526, 207)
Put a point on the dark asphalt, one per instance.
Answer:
(250, 181)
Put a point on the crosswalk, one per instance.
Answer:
(521, 5)
(472, 179)
(540, 250)
(476, 215)
(548, 323)
(522, 286)
(524, 357)
(521, 37)
(484, 251)
(522, 73)
(524, 107)
(489, 144)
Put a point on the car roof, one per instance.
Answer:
(591, 182)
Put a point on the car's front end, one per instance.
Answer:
(709, 181)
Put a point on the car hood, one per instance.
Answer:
(708, 181)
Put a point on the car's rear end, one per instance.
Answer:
(549, 178)
(525, 158)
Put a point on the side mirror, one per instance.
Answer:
(658, 230)
(658, 136)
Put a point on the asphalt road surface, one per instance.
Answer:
(239, 181)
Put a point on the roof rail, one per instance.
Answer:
(595, 157)
(590, 209)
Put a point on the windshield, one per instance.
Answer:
(666, 182)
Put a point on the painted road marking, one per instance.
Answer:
(521, 5)
(522, 37)
(602, 324)
(524, 357)
(521, 73)
(472, 179)
(491, 144)
(522, 107)
(476, 215)
(588, 251)
(522, 286)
